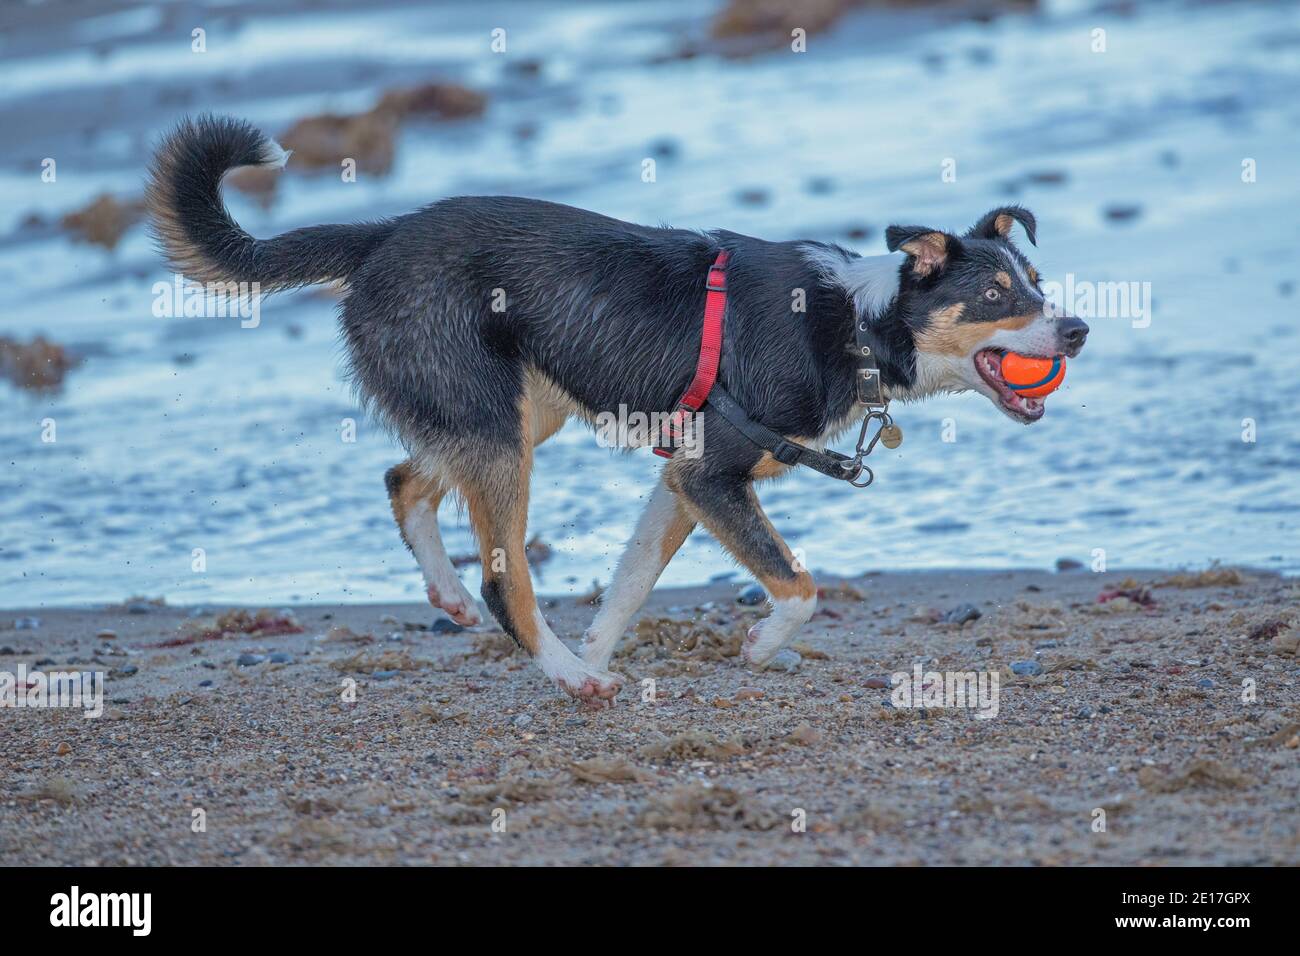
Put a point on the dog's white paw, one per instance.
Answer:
(773, 632)
(456, 602)
(757, 648)
(591, 688)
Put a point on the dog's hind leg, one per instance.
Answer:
(496, 490)
(726, 505)
(660, 531)
(415, 497)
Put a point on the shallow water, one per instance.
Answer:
(179, 434)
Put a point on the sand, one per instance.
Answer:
(456, 751)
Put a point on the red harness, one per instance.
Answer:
(704, 388)
(706, 369)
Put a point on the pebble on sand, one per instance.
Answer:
(250, 660)
(785, 660)
(1027, 668)
(751, 595)
(963, 613)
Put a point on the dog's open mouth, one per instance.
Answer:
(988, 362)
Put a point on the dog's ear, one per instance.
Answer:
(928, 250)
(997, 224)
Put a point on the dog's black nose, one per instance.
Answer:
(1073, 333)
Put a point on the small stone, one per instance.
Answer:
(106, 635)
(7, 651)
(130, 670)
(1287, 642)
(522, 720)
(139, 607)
(749, 693)
(963, 613)
(389, 619)
(280, 657)
(45, 662)
(445, 625)
(785, 660)
(1205, 682)
(877, 683)
(722, 703)
(1068, 564)
(751, 595)
(205, 683)
(575, 722)
(250, 660)
(1044, 645)
(1083, 713)
(27, 623)
(1026, 668)
(64, 749)
(385, 675)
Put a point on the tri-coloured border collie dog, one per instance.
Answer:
(600, 314)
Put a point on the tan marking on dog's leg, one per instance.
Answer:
(497, 498)
(415, 498)
(660, 531)
(733, 516)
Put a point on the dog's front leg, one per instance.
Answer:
(726, 505)
(660, 531)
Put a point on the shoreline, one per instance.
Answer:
(735, 580)
(1134, 709)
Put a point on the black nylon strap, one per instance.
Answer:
(787, 452)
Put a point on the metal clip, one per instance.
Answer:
(864, 447)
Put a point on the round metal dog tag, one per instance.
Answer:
(891, 436)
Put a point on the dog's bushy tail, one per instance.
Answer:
(202, 241)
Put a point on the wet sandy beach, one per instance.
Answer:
(1127, 711)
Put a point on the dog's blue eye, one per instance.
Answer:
(992, 295)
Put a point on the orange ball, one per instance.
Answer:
(1033, 377)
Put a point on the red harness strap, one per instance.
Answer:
(706, 369)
